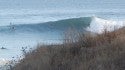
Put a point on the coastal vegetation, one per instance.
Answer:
(79, 51)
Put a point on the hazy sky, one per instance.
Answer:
(66, 4)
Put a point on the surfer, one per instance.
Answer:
(3, 48)
(11, 26)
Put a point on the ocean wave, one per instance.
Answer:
(98, 25)
(61, 25)
(93, 24)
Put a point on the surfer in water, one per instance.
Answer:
(3, 48)
(11, 26)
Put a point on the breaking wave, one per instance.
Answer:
(98, 25)
(93, 24)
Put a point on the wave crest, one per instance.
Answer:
(98, 25)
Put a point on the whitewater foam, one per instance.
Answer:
(98, 25)
(3, 61)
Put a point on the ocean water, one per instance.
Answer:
(28, 27)
(33, 22)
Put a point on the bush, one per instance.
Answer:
(88, 51)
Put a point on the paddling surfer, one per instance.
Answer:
(11, 26)
(3, 48)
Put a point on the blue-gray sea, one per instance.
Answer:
(28, 23)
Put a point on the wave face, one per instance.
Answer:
(62, 25)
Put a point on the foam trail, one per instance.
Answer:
(98, 25)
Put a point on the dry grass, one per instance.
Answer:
(104, 51)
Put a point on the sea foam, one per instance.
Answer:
(98, 25)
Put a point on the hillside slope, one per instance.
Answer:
(104, 51)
